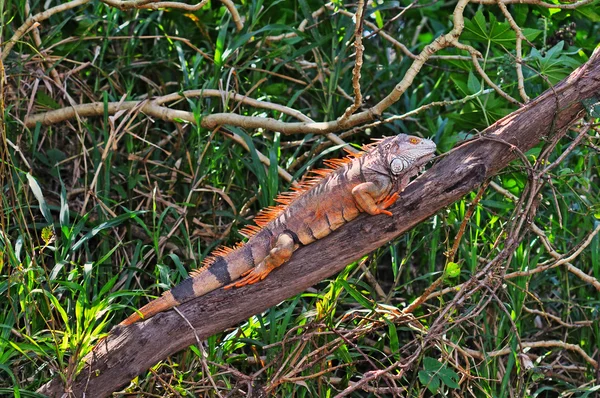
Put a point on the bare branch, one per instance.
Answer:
(535, 344)
(519, 41)
(540, 3)
(359, 48)
(42, 16)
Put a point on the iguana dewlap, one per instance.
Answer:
(367, 182)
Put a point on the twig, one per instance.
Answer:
(534, 344)
(300, 28)
(153, 5)
(540, 3)
(518, 50)
(42, 16)
(386, 36)
(359, 48)
(565, 260)
(474, 58)
(557, 319)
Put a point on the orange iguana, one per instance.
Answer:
(369, 181)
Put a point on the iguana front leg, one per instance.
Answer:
(279, 254)
(368, 196)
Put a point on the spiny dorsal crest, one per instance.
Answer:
(284, 199)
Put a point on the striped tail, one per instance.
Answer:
(218, 271)
(163, 303)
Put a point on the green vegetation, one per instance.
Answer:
(98, 214)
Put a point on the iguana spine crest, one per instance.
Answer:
(369, 181)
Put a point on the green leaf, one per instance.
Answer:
(37, 192)
(555, 65)
(435, 373)
(430, 381)
(45, 100)
(219, 49)
(362, 300)
(588, 12)
(276, 88)
(500, 33)
(477, 26)
(452, 270)
(449, 377)
(64, 207)
(106, 225)
(473, 83)
(393, 336)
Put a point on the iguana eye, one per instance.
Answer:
(414, 140)
(397, 166)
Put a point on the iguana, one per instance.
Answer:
(369, 181)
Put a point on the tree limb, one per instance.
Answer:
(129, 351)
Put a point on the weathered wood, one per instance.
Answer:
(130, 351)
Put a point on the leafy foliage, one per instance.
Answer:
(436, 374)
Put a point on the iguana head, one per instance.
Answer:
(405, 154)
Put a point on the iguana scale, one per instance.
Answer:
(366, 182)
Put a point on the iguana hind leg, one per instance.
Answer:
(279, 254)
(367, 196)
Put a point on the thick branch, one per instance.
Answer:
(130, 351)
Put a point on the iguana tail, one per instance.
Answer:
(163, 303)
(220, 269)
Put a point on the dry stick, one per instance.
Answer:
(425, 107)
(152, 5)
(404, 116)
(519, 41)
(582, 134)
(152, 109)
(570, 267)
(38, 42)
(244, 99)
(367, 377)
(540, 3)
(300, 28)
(560, 260)
(234, 14)
(475, 55)
(557, 319)
(360, 49)
(42, 16)
(534, 344)
(533, 192)
(450, 257)
(252, 122)
(386, 36)
(251, 102)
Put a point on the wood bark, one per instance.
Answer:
(130, 351)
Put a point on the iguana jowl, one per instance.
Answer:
(367, 182)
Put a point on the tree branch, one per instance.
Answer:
(126, 352)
